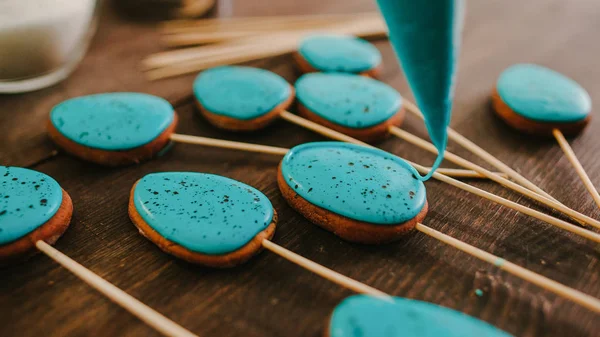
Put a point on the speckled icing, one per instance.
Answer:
(360, 183)
(28, 199)
(362, 316)
(240, 92)
(543, 95)
(425, 35)
(339, 53)
(348, 100)
(202, 212)
(112, 121)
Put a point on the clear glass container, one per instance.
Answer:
(42, 41)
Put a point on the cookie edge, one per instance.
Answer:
(49, 232)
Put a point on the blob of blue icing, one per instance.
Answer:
(113, 121)
(358, 182)
(240, 92)
(425, 35)
(543, 95)
(363, 315)
(202, 212)
(348, 100)
(339, 53)
(28, 199)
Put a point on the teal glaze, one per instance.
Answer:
(339, 53)
(113, 121)
(202, 212)
(348, 100)
(543, 95)
(358, 182)
(28, 199)
(425, 35)
(240, 92)
(362, 316)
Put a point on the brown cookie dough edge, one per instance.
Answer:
(346, 228)
(215, 261)
(238, 125)
(305, 67)
(532, 127)
(48, 232)
(113, 158)
(370, 134)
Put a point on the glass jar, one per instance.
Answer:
(42, 41)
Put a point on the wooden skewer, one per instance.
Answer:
(564, 145)
(500, 180)
(148, 315)
(481, 153)
(241, 23)
(439, 176)
(576, 296)
(226, 144)
(322, 271)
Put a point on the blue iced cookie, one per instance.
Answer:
(33, 207)
(113, 128)
(338, 53)
(241, 98)
(358, 106)
(202, 218)
(363, 315)
(360, 194)
(536, 100)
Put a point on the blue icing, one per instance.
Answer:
(425, 35)
(360, 183)
(202, 212)
(113, 121)
(28, 199)
(348, 100)
(338, 53)
(362, 315)
(240, 92)
(543, 95)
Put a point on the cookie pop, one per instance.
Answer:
(34, 213)
(541, 102)
(367, 195)
(214, 221)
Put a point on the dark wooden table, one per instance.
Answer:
(270, 296)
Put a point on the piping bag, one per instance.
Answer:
(426, 36)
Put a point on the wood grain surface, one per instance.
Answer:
(269, 296)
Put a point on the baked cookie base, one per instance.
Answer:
(532, 127)
(228, 260)
(240, 125)
(346, 228)
(48, 232)
(305, 67)
(114, 158)
(370, 134)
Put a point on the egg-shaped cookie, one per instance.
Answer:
(202, 218)
(238, 98)
(363, 315)
(33, 207)
(361, 107)
(535, 100)
(360, 194)
(113, 129)
(338, 53)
